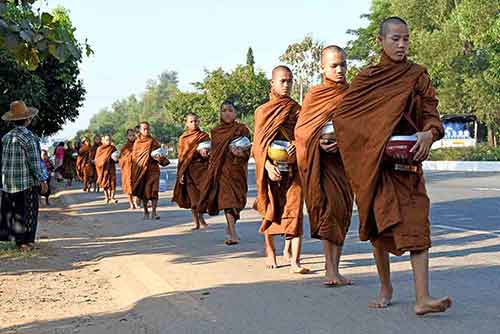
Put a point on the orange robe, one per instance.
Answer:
(105, 166)
(69, 164)
(328, 195)
(225, 187)
(83, 162)
(145, 176)
(91, 171)
(126, 167)
(279, 203)
(393, 205)
(193, 167)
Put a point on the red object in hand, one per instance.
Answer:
(398, 149)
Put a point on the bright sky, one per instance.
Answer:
(135, 41)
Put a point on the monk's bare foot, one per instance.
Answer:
(287, 257)
(203, 225)
(114, 200)
(271, 261)
(231, 242)
(383, 300)
(336, 279)
(196, 227)
(431, 305)
(298, 269)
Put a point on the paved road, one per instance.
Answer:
(175, 281)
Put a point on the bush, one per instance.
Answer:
(478, 153)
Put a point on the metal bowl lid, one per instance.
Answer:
(328, 128)
(280, 144)
(404, 138)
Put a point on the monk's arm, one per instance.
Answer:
(430, 115)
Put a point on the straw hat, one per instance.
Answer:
(18, 111)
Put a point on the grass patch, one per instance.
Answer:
(8, 250)
(477, 153)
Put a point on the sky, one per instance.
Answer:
(135, 41)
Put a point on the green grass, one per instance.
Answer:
(478, 153)
(9, 250)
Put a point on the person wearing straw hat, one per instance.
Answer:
(23, 178)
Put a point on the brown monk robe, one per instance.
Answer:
(126, 167)
(225, 186)
(392, 202)
(145, 177)
(91, 172)
(106, 170)
(279, 195)
(328, 195)
(192, 167)
(84, 165)
(85, 150)
(69, 164)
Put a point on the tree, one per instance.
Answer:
(33, 39)
(53, 87)
(304, 57)
(250, 58)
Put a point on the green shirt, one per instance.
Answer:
(21, 167)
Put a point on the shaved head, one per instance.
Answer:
(384, 25)
(280, 69)
(282, 80)
(332, 49)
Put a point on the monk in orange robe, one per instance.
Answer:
(126, 167)
(145, 177)
(83, 164)
(106, 170)
(225, 187)
(91, 172)
(280, 199)
(327, 191)
(394, 97)
(192, 167)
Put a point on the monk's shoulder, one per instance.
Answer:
(261, 107)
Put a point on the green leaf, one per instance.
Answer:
(27, 36)
(11, 41)
(47, 19)
(3, 24)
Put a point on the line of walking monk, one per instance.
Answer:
(139, 165)
(322, 168)
(326, 169)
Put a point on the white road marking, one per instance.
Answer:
(459, 229)
(486, 189)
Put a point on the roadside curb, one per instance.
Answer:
(462, 166)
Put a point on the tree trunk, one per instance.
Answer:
(492, 140)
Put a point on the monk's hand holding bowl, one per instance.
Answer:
(292, 153)
(238, 152)
(272, 171)
(423, 145)
(204, 153)
(181, 181)
(328, 146)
